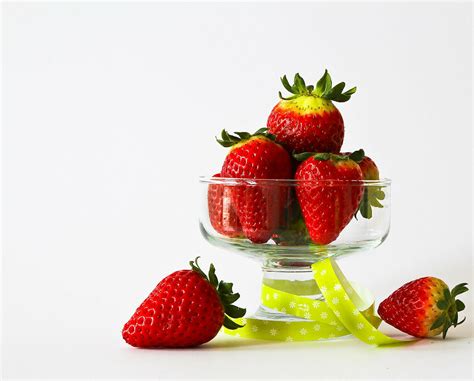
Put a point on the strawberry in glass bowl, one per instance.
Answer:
(288, 211)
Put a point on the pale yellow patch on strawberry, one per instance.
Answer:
(306, 104)
(246, 141)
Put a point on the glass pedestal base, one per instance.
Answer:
(297, 282)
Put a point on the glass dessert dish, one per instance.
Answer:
(264, 220)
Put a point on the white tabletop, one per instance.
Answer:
(228, 357)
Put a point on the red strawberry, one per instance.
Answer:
(329, 192)
(185, 309)
(372, 193)
(257, 156)
(424, 307)
(308, 121)
(221, 211)
(369, 169)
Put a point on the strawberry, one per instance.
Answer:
(221, 211)
(308, 121)
(423, 307)
(329, 193)
(186, 309)
(257, 156)
(369, 169)
(372, 193)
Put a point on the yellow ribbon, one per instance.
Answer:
(346, 309)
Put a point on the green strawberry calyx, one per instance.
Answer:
(356, 156)
(372, 196)
(323, 89)
(370, 199)
(228, 140)
(226, 295)
(450, 307)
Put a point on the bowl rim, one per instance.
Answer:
(290, 182)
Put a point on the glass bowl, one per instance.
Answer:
(281, 243)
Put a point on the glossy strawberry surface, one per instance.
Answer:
(329, 194)
(259, 207)
(412, 308)
(424, 307)
(307, 120)
(222, 214)
(373, 193)
(183, 310)
(307, 124)
(369, 169)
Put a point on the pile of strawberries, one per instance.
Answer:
(302, 141)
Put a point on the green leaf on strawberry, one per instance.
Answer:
(324, 89)
(356, 156)
(370, 199)
(224, 290)
(373, 194)
(228, 140)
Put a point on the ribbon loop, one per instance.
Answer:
(346, 309)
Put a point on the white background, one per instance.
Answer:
(109, 117)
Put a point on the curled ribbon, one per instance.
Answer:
(346, 309)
